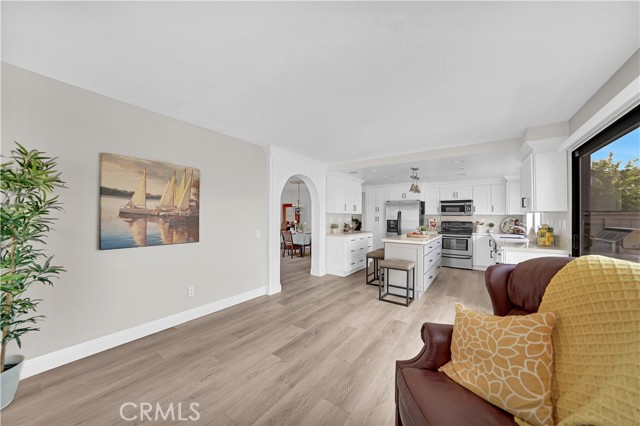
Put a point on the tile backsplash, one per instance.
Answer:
(341, 219)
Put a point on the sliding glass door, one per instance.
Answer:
(606, 192)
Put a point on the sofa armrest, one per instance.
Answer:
(496, 279)
(436, 351)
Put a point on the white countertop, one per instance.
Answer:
(403, 239)
(347, 234)
(523, 245)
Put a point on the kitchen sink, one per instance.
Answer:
(513, 237)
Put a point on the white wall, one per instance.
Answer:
(104, 292)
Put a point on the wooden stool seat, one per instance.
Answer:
(373, 278)
(397, 265)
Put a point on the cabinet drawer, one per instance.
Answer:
(431, 258)
(431, 274)
(432, 245)
(356, 262)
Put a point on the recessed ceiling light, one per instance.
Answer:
(385, 176)
(462, 174)
(373, 171)
(457, 161)
(460, 168)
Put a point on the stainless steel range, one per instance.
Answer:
(457, 246)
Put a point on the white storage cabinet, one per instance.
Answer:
(346, 253)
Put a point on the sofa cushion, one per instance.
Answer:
(505, 360)
(529, 280)
(429, 397)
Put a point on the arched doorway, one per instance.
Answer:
(282, 167)
(296, 226)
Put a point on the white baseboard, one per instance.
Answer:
(82, 350)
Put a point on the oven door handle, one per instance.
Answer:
(456, 256)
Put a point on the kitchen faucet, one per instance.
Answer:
(520, 228)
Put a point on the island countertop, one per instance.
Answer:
(403, 239)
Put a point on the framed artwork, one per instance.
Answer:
(147, 203)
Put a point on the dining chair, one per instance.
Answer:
(287, 243)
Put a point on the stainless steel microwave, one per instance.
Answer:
(457, 208)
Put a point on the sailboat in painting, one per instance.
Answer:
(175, 200)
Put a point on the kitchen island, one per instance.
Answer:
(425, 252)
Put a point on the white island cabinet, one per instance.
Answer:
(346, 253)
(425, 252)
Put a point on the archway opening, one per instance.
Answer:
(296, 226)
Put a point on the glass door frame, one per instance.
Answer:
(579, 168)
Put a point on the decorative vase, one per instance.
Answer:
(334, 230)
(9, 379)
(423, 232)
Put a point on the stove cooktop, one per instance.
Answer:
(456, 228)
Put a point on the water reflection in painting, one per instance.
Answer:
(144, 203)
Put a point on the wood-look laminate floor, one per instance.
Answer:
(321, 352)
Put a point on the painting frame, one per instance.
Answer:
(146, 203)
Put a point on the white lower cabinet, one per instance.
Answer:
(347, 253)
(482, 252)
(515, 257)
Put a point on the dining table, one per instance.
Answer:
(302, 240)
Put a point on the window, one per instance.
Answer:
(606, 192)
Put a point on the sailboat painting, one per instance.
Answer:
(147, 203)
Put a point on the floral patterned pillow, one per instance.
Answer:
(506, 360)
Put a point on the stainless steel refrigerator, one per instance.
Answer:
(404, 216)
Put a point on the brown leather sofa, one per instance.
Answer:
(425, 396)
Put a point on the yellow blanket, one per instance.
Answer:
(596, 342)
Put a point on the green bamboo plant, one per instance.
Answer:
(27, 181)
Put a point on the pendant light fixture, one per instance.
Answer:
(297, 206)
(414, 185)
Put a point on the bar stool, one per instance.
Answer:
(396, 265)
(376, 255)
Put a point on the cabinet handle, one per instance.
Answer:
(345, 207)
(430, 276)
(491, 254)
(492, 208)
(523, 202)
(430, 260)
(353, 263)
(353, 250)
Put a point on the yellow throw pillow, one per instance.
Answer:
(505, 360)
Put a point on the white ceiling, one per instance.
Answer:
(334, 81)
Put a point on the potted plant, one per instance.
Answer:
(334, 228)
(27, 182)
(490, 226)
(423, 229)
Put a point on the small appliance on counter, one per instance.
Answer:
(457, 246)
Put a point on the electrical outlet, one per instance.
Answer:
(191, 291)
(257, 234)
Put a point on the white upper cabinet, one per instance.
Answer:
(431, 199)
(401, 192)
(513, 198)
(498, 198)
(344, 195)
(543, 182)
(458, 192)
(482, 199)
